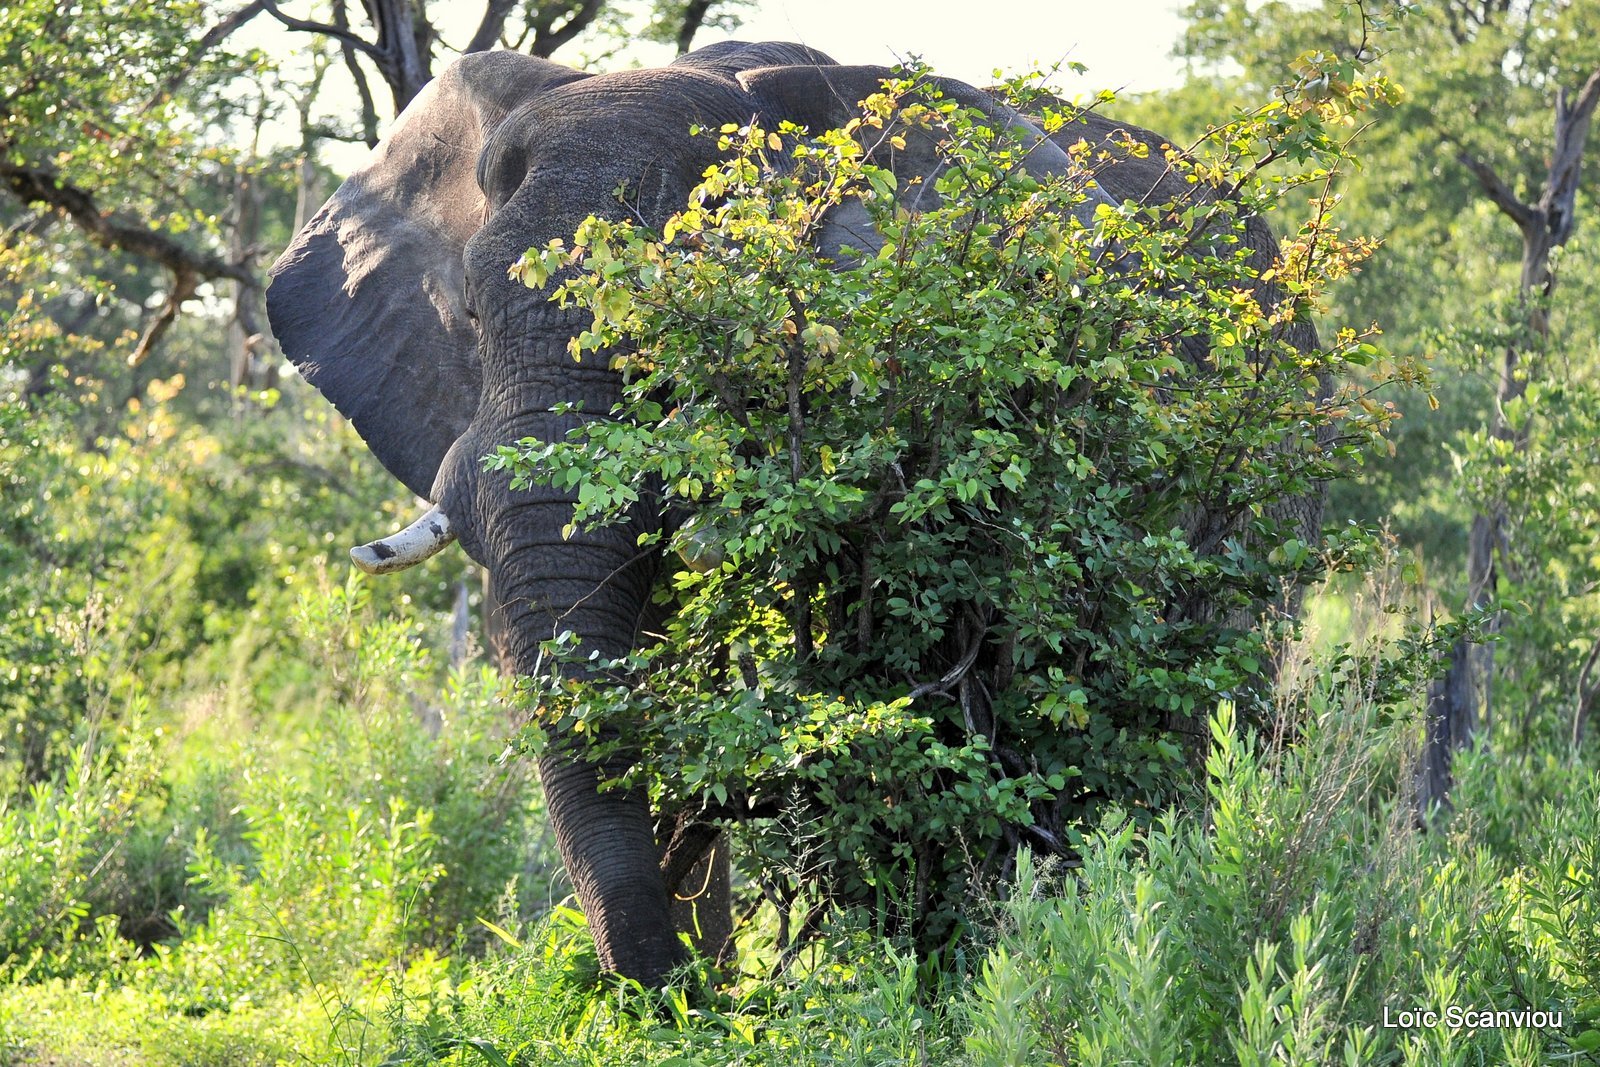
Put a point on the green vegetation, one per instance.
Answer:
(255, 809)
(1271, 927)
(1459, 284)
(985, 535)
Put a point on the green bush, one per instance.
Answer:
(368, 837)
(56, 842)
(362, 837)
(1279, 925)
(973, 537)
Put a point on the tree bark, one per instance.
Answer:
(694, 16)
(547, 36)
(402, 53)
(1587, 693)
(492, 25)
(243, 235)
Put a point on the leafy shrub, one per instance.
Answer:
(369, 837)
(55, 842)
(1281, 923)
(972, 538)
(363, 836)
(861, 1002)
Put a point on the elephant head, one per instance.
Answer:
(395, 302)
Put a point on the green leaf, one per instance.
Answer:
(500, 932)
(486, 1049)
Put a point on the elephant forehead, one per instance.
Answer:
(634, 111)
(657, 90)
(585, 146)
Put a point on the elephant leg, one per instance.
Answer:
(696, 869)
(702, 907)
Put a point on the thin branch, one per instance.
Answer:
(213, 37)
(1498, 191)
(344, 36)
(109, 229)
(120, 232)
(216, 34)
(1586, 694)
(369, 111)
(546, 43)
(959, 671)
(692, 839)
(183, 286)
(33, 225)
(321, 131)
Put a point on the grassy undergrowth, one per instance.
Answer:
(334, 879)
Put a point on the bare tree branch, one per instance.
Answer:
(1557, 201)
(183, 286)
(344, 36)
(369, 111)
(405, 37)
(112, 230)
(1498, 191)
(321, 131)
(109, 229)
(491, 26)
(1587, 694)
(213, 37)
(32, 225)
(547, 39)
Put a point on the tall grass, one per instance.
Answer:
(1297, 906)
(315, 865)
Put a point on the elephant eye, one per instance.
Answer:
(502, 166)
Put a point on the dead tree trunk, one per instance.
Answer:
(1460, 704)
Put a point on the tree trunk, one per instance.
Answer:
(1460, 706)
(243, 235)
(694, 16)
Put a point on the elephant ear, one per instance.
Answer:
(827, 97)
(368, 300)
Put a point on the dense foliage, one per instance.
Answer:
(978, 524)
(1483, 83)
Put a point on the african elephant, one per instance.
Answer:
(394, 301)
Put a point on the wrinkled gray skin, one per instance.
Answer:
(394, 302)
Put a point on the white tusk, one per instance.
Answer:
(407, 548)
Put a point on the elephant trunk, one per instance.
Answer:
(609, 849)
(546, 580)
(594, 585)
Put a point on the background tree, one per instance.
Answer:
(1477, 191)
(135, 123)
